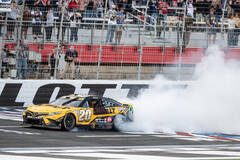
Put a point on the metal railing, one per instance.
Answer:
(140, 54)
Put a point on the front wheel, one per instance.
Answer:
(68, 122)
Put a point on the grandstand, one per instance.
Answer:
(150, 37)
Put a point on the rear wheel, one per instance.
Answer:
(68, 122)
(118, 122)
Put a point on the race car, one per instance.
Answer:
(66, 112)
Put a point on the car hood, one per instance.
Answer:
(47, 108)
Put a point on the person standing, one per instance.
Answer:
(163, 9)
(99, 7)
(65, 24)
(5, 59)
(237, 28)
(12, 18)
(52, 62)
(22, 60)
(49, 24)
(190, 10)
(69, 62)
(212, 24)
(61, 55)
(153, 7)
(120, 21)
(74, 20)
(26, 22)
(36, 21)
(111, 15)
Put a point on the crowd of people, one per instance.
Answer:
(60, 62)
(47, 14)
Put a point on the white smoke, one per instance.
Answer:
(211, 103)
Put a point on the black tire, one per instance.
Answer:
(118, 122)
(68, 122)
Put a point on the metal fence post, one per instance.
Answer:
(99, 62)
(145, 16)
(224, 7)
(140, 63)
(182, 43)
(58, 43)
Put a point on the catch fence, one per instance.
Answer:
(139, 48)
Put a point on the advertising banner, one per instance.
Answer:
(23, 93)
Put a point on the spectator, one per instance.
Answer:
(52, 63)
(216, 5)
(111, 15)
(237, 28)
(43, 5)
(61, 54)
(91, 9)
(12, 17)
(26, 22)
(82, 7)
(70, 57)
(199, 4)
(212, 24)
(74, 21)
(99, 7)
(5, 59)
(231, 28)
(180, 3)
(66, 20)
(2, 19)
(205, 5)
(126, 5)
(153, 11)
(22, 60)
(49, 24)
(72, 4)
(235, 5)
(36, 21)
(120, 20)
(190, 9)
(174, 3)
(163, 9)
(63, 3)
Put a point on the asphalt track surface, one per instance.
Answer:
(18, 142)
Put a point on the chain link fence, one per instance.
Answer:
(140, 48)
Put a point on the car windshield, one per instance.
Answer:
(67, 102)
(60, 101)
(73, 103)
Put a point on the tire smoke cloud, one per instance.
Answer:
(210, 103)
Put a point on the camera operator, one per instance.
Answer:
(69, 62)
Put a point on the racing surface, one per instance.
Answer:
(39, 143)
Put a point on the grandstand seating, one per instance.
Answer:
(130, 54)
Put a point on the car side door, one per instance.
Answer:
(85, 113)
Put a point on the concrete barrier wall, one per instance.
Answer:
(23, 93)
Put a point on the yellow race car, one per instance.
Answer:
(78, 110)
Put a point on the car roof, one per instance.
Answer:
(73, 96)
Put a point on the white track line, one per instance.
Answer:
(18, 132)
(108, 136)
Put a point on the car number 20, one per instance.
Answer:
(85, 115)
